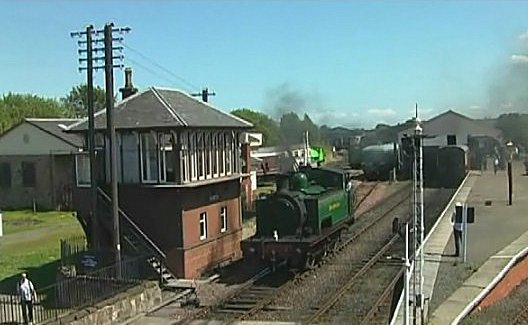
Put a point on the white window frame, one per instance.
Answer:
(229, 152)
(201, 155)
(203, 225)
(156, 177)
(223, 219)
(192, 156)
(207, 153)
(184, 157)
(222, 154)
(216, 167)
(163, 148)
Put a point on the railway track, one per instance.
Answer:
(379, 277)
(370, 188)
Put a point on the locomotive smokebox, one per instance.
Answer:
(283, 182)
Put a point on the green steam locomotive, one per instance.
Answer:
(304, 219)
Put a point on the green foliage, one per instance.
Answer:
(77, 100)
(262, 124)
(514, 127)
(15, 107)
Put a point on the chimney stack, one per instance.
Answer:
(129, 89)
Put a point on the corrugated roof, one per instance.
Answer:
(164, 108)
(56, 127)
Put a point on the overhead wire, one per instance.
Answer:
(159, 66)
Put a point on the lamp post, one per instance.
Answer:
(511, 149)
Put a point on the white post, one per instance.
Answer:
(406, 278)
(1, 229)
(465, 228)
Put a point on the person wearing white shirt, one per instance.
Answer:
(457, 230)
(26, 291)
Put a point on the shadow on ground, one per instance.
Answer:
(41, 276)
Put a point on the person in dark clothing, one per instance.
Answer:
(457, 230)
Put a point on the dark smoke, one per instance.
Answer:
(284, 99)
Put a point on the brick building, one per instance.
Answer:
(36, 163)
(180, 178)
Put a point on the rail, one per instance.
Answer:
(335, 297)
(154, 249)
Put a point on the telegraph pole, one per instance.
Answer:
(91, 129)
(109, 85)
(205, 94)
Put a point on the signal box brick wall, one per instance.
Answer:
(50, 182)
(170, 216)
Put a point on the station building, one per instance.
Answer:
(453, 128)
(36, 164)
(180, 177)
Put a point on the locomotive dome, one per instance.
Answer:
(300, 182)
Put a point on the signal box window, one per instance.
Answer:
(451, 140)
(223, 219)
(28, 174)
(203, 225)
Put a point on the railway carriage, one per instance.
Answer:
(304, 219)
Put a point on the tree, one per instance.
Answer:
(15, 107)
(77, 100)
(262, 123)
(514, 127)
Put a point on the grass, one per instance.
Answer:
(31, 243)
(17, 221)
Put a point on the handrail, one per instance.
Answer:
(131, 223)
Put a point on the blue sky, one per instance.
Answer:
(348, 63)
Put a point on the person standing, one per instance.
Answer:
(496, 165)
(457, 228)
(27, 293)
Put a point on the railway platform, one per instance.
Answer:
(498, 237)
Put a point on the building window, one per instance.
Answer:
(200, 145)
(215, 154)
(184, 157)
(166, 158)
(221, 153)
(208, 155)
(149, 158)
(5, 175)
(130, 162)
(229, 153)
(192, 150)
(28, 174)
(82, 169)
(223, 219)
(203, 225)
(451, 140)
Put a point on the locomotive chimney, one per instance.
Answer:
(282, 183)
